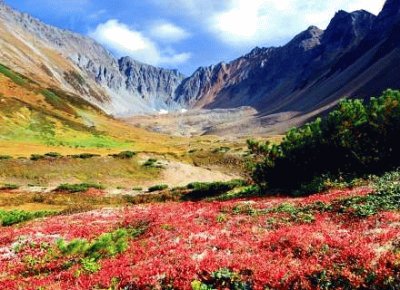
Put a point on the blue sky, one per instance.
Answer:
(186, 34)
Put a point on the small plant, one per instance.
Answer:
(9, 186)
(137, 189)
(36, 157)
(9, 218)
(224, 279)
(150, 162)
(107, 245)
(158, 187)
(203, 190)
(5, 157)
(222, 149)
(124, 155)
(82, 187)
(85, 156)
(53, 155)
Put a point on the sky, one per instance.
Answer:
(186, 34)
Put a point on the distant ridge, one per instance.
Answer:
(356, 56)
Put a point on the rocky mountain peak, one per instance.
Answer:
(307, 39)
(346, 29)
(389, 15)
(391, 8)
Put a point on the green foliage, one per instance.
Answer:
(224, 279)
(9, 186)
(385, 198)
(85, 156)
(222, 149)
(5, 157)
(105, 246)
(57, 102)
(16, 78)
(201, 190)
(124, 155)
(53, 155)
(82, 187)
(152, 163)
(355, 139)
(90, 265)
(158, 187)
(36, 157)
(9, 218)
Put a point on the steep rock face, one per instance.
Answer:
(355, 56)
(152, 84)
(269, 78)
(82, 66)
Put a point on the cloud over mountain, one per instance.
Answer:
(127, 41)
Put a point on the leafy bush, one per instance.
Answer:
(158, 187)
(224, 279)
(355, 139)
(8, 186)
(386, 197)
(53, 155)
(5, 157)
(15, 77)
(36, 157)
(124, 155)
(201, 190)
(9, 218)
(150, 163)
(222, 149)
(82, 187)
(105, 246)
(85, 156)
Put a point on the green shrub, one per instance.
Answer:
(82, 187)
(9, 218)
(9, 186)
(105, 246)
(222, 149)
(201, 190)
(15, 77)
(150, 162)
(224, 279)
(355, 139)
(124, 155)
(36, 157)
(53, 155)
(158, 187)
(137, 188)
(5, 157)
(85, 156)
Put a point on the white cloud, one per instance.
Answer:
(168, 32)
(126, 41)
(256, 22)
(246, 23)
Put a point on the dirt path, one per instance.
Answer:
(180, 174)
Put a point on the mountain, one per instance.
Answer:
(357, 55)
(79, 65)
(290, 83)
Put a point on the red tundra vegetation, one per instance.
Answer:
(260, 243)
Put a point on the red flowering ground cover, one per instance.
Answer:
(267, 242)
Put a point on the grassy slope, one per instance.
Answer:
(36, 120)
